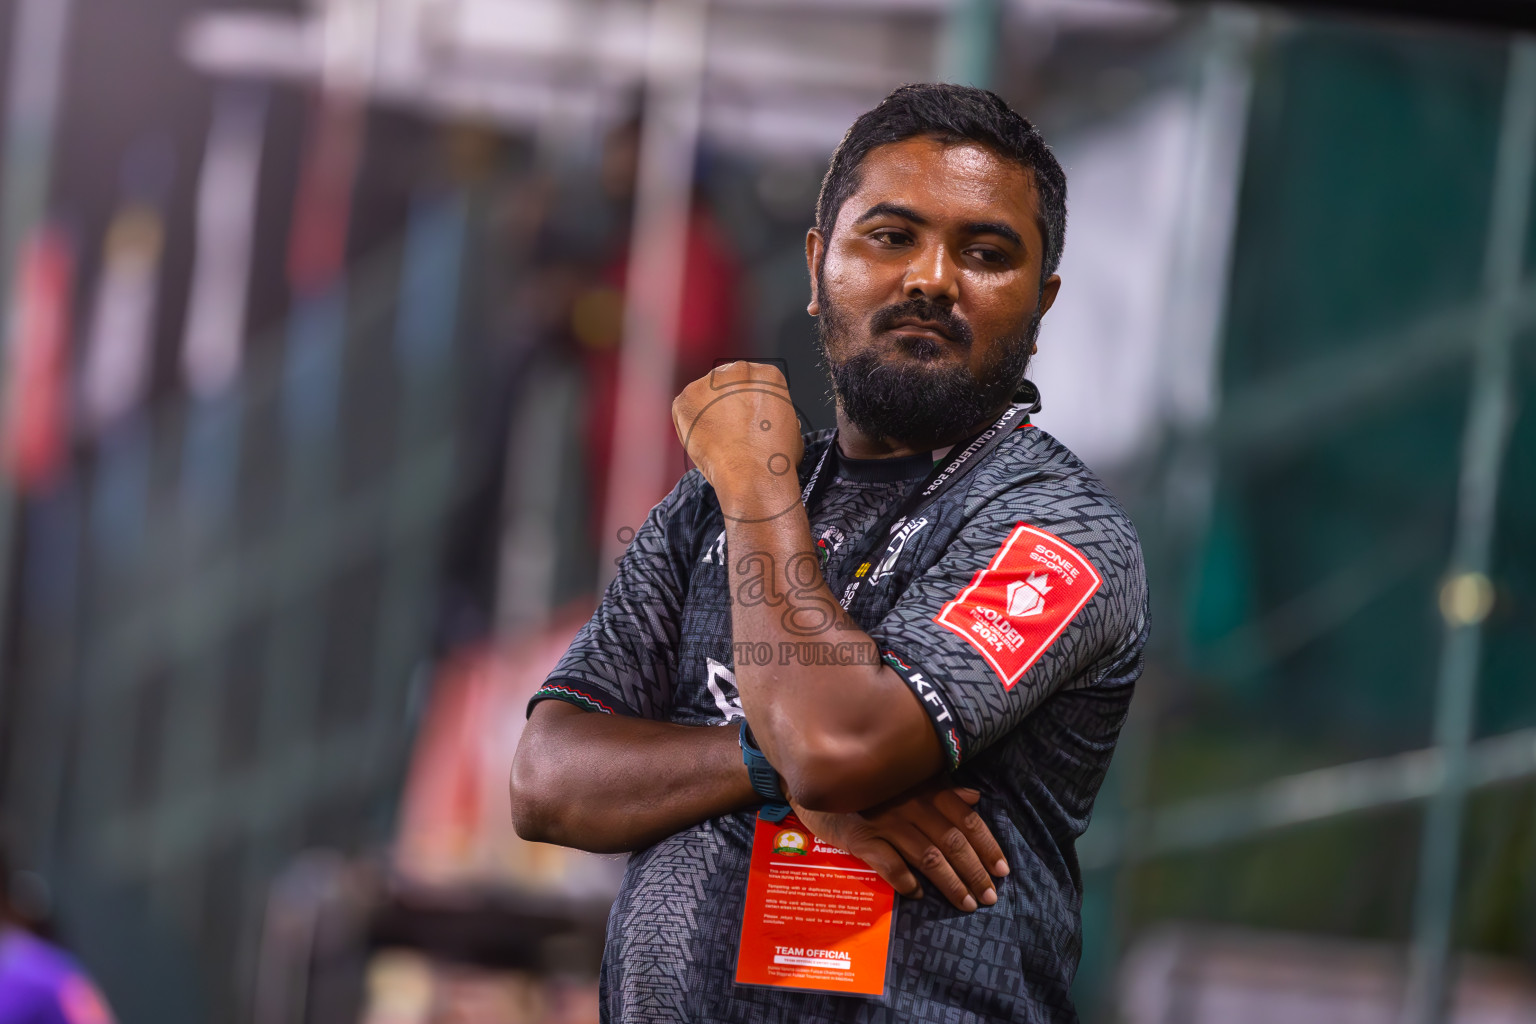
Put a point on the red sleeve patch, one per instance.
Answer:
(1018, 605)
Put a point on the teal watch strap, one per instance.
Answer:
(765, 781)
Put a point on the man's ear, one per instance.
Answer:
(815, 252)
(1048, 293)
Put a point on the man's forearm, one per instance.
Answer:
(845, 736)
(609, 783)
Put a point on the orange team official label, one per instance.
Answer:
(1019, 604)
(817, 918)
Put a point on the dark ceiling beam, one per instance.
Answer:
(1490, 14)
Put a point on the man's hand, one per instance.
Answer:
(739, 427)
(935, 829)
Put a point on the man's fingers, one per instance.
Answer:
(881, 856)
(935, 863)
(746, 371)
(957, 849)
(955, 806)
(677, 422)
(864, 844)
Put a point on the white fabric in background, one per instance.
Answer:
(1120, 353)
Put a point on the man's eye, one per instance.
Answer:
(890, 237)
(989, 256)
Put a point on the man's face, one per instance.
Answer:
(929, 291)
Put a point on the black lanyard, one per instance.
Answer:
(945, 474)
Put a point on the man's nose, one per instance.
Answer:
(932, 274)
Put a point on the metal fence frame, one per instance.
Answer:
(1486, 335)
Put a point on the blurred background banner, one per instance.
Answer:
(340, 338)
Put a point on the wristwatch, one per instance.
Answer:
(765, 781)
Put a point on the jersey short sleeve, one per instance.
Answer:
(624, 659)
(1038, 591)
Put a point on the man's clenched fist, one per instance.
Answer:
(739, 427)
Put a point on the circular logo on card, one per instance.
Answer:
(790, 841)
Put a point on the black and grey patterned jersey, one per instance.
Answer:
(1014, 606)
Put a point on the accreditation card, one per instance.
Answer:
(816, 918)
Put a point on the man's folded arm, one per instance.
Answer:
(598, 766)
(614, 783)
(611, 783)
(922, 696)
(847, 738)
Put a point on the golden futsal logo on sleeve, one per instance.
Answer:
(1027, 597)
(1022, 601)
(790, 841)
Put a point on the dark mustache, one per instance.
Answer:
(944, 318)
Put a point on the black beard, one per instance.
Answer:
(912, 403)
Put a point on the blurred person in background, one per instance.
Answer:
(39, 982)
(559, 293)
(989, 591)
(709, 322)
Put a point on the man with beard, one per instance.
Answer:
(952, 607)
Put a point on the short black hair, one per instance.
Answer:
(951, 114)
